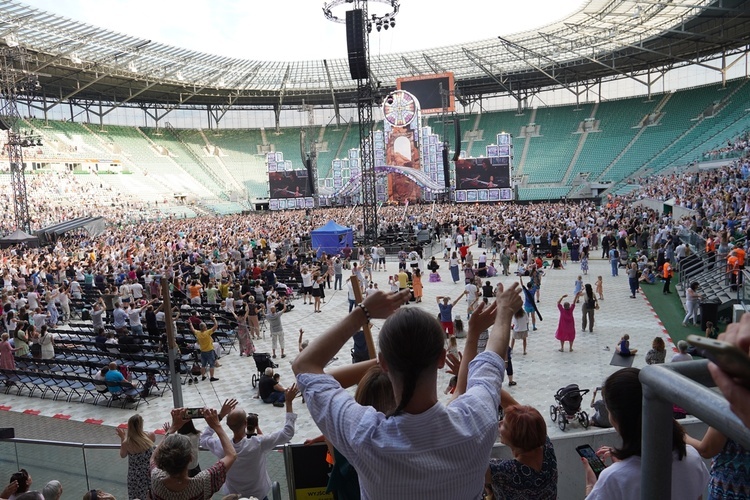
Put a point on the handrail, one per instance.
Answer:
(687, 385)
(86, 446)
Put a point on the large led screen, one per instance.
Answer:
(288, 184)
(483, 173)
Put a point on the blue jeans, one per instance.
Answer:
(352, 303)
(275, 396)
(337, 282)
(614, 264)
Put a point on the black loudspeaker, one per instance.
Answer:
(310, 180)
(446, 167)
(355, 44)
(457, 129)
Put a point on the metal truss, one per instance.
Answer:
(365, 102)
(11, 66)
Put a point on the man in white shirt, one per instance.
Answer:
(33, 299)
(136, 290)
(448, 242)
(39, 318)
(249, 475)
(472, 293)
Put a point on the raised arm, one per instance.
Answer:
(559, 301)
(350, 375)
(481, 320)
(711, 444)
(315, 357)
(508, 302)
(459, 298)
(212, 420)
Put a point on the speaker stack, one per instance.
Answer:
(355, 44)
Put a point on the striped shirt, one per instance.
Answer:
(441, 453)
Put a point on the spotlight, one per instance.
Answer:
(379, 25)
(393, 22)
(385, 26)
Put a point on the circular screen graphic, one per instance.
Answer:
(400, 108)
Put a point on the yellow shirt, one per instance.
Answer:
(205, 341)
(403, 280)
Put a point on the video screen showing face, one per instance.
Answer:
(483, 173)
(288, 184)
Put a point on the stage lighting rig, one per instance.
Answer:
(378, 21)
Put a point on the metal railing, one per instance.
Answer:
(81, 467)
(687, 385)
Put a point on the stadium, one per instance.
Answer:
(128, 160)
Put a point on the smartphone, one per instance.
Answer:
(194, 413)
(589, 454)
(728, 357)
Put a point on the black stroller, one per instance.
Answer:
(568, 407)
(262, 361)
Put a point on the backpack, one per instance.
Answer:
(617, 254)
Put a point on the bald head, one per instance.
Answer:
(237, 420)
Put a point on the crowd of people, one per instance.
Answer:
(240, 263)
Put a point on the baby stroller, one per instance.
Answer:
(568, 407)
(262, 361)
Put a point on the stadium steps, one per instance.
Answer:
(549, 155)
(526, 145)
(334, 136)
(677, 114)
(193, 163)
(581, 144)
(634, 140)
(472, 136)
(211, 151)
(238, 149)
(686, 141)
(730, 121)
(143, 152)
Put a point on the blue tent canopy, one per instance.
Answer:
(331, 238)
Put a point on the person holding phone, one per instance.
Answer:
(532, 472)
(623, 396)
(169, 464)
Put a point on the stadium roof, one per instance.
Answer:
(605, 39)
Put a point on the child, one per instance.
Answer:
(585, 263)
(393, 282)
(578, 288)
(509, 368)
(623, 348)
(459, 327)
(452, 345)
(711, 332)
(600, 287)
(520, 328)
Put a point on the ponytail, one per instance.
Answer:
(411, 342)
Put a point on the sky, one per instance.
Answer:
(291, 30)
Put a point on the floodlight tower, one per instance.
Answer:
(12, 61)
